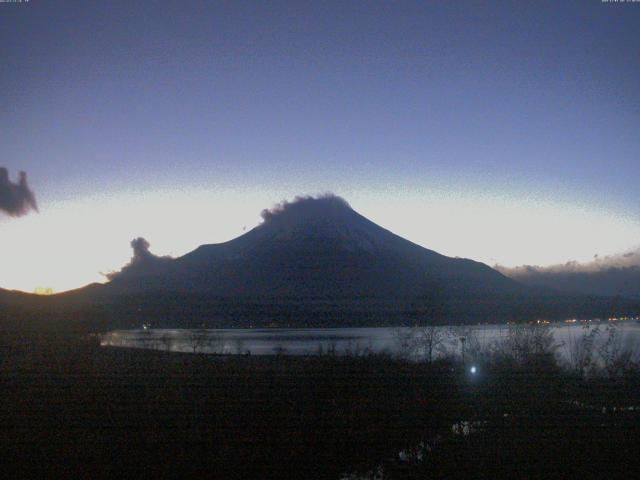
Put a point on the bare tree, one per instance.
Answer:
(429, 340)
(615, 358)
(404, 340)
(167, 341)
(198, 339)
(471, 345)
(523, 342)
(428, 312)
(420, 342)
(579, 352)
(602, 352)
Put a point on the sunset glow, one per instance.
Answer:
(88, 237)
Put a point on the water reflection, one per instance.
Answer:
(466, 341)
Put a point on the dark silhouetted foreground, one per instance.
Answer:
(71, 408)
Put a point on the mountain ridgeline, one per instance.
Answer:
(317, 262)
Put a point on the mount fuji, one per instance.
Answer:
(317, 262)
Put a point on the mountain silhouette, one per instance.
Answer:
(317, 262)
(312, 248)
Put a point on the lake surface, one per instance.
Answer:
(356, 341)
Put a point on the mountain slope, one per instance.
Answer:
(317, 262)
(313, 248)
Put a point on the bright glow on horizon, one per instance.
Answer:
(506, 134)
(504, 230)
(70, 243)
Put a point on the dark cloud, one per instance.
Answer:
(16, 199)
(140, 250)
(608, 275)
(143, 261)
(620, 261)
(307, 203)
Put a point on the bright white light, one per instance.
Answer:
(502, 230)
(473, 369)
(69, 243)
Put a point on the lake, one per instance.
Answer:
(356, 341)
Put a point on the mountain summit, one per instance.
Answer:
(326, 218)
(317, 262)
(311, 247)
(320, 258)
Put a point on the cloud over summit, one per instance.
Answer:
(305, 205)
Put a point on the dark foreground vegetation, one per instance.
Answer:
(72, 409)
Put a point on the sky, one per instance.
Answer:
(506, 132)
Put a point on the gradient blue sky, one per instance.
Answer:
(508, 132)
